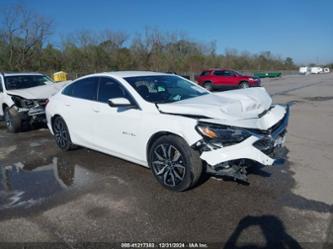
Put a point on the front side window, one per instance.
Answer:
(205, 73)
(218, 72)
(84, 89)
(109, 89)
(164, 88)
(26, 81)
(228, 73)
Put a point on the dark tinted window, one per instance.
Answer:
(84, 89)
(218, 72)
(1, 89)
(110, 88)
(228, 73)
(68, 90)
(205, 73)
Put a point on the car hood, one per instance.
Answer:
(241, 108)
(38, 92)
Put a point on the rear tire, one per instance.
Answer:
(61, 134)
(174, 164)
(244, 85)
(12, 120)
(208, 86)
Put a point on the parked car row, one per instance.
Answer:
(162, 121)
(313, 70)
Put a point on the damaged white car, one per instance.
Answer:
(23, 97)
(169, 124)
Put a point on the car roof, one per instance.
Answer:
(20, 74)
(124, 74)
(221, 68)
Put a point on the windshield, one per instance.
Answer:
(165, 88)
(26, 81)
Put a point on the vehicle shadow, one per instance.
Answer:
(25, 127)
(253, 168)
(272, 229)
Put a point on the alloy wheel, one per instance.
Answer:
(61, 133)
(168, 165)
(244, 85)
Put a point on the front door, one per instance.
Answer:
(117, 129)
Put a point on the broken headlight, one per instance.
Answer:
(222, 134)
(22, 103)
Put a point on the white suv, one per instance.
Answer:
(169, 124)
(23, 97)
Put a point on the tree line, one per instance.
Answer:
(25, 45)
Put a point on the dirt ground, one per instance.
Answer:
(51, 196)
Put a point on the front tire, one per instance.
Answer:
(61, 134)
(12, 120)
(174, 164)
(244, 85)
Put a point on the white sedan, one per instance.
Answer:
(169, 124)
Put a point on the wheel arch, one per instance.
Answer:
(156, 136)
(243, 81)
(52, 120)
(4, 105)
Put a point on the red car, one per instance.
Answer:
(213, 79)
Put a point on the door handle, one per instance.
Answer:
(67, 105)
(96, 111)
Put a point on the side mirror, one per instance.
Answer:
(119, 102)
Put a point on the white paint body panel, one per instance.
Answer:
(125, 133)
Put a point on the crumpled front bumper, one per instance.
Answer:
(35, 114)
(259, 147)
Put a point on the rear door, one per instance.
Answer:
(117, 129)
(78, 111)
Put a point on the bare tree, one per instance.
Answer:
(23, 33)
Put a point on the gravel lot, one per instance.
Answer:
(84, 195)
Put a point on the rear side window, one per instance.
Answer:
(228, 73)
(110, 88)
(84, 89)
(224, 73)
